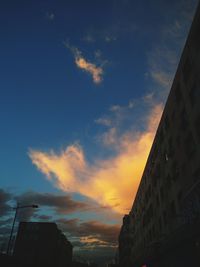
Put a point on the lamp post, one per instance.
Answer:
(16, 211)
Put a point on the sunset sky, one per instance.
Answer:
(82, 88)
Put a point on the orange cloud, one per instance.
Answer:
(95, 71)
(112, 182)
(82, 63)
(92, 242)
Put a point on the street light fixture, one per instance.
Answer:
(16, 211)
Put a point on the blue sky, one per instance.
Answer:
(83, 84)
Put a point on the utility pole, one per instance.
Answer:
(13, 225)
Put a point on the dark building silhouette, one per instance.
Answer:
(41, 244)
(8, 261)
(163, 226)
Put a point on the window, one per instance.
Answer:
(166, 123)
(172, 209)
(187, 68)
(165, 217)
(155, 179)
(170, 147)
(178, 95)
(173, 115)
(162, 193)
(196, 175)
(190, 147)
(175, 171)
(157, 200)
(168, 182)
(160, 224)
(166, 156)
(178, 140)
(161, 135)
(180, 195)
(183, 120)
(194, 94)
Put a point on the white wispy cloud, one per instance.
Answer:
(164, 57)
(111, 33)
(104, 121)
(88, 38)
(121, 120)
(114, 181)
(110, 38)
(50, 16)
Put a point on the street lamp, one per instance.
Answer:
(16, 210)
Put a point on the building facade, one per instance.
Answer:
(42, 244)
(163, 226)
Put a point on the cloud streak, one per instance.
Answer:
(91, 68)
(50, 16)
(119, 174)
(91, 233)
(91, 239)
(112, 182)
(62, 204)
(164, 56)
(81, 62)
(4, 206)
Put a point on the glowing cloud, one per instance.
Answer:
(112, 182)
(95, 71)
(84, 64)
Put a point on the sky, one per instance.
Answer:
(82, 89)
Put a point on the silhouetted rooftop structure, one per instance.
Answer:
(41, 244)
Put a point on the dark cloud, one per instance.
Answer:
(70, 226)
(6, 221)
(44, 217)
(25, 214)
(5, 228)
(104, 232)
(92, 240)
(4, 206)
(63, 204)
(60, 204)
(100, 232)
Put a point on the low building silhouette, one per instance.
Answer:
(41, 244)
(8, 261)
(163, 226)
